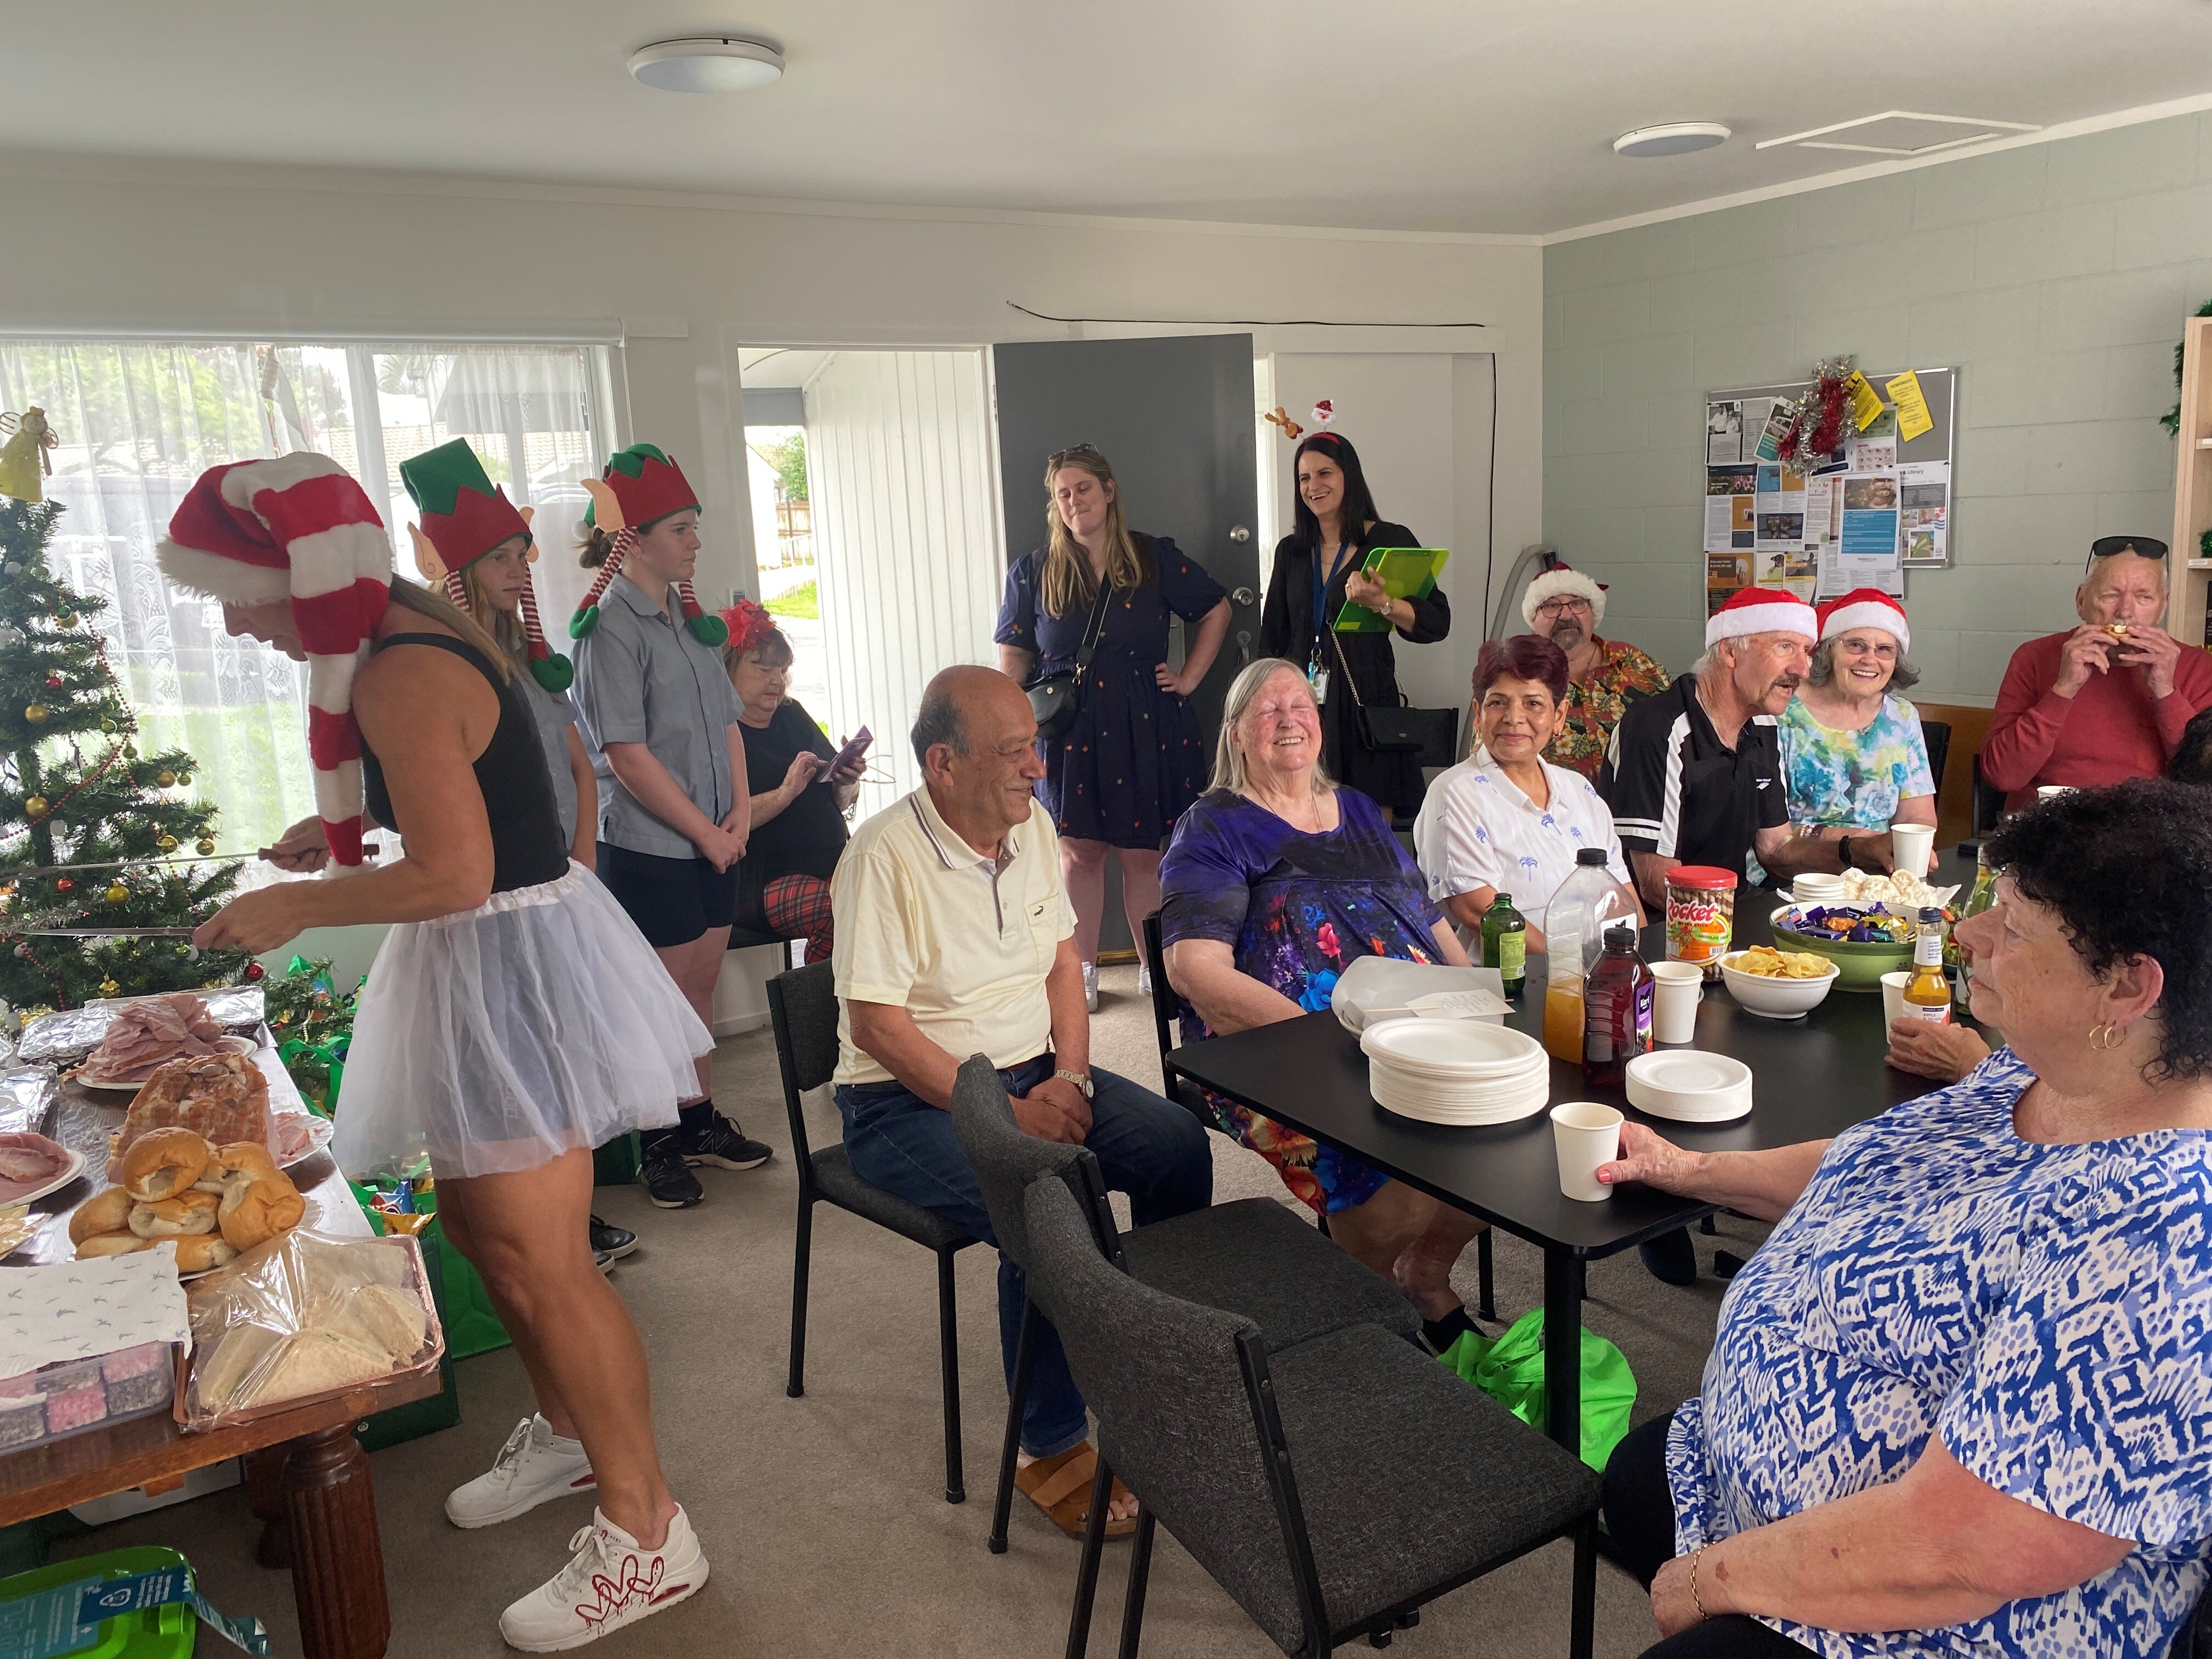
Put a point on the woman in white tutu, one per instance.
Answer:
(514, 1019)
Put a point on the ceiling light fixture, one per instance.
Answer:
(1673, 138)
(711, 63)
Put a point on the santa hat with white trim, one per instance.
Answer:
(297, 528)
(1563, 579)
(1761, 611)
(1866, 607)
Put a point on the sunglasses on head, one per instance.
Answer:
(1086, 451)
(2143, 547)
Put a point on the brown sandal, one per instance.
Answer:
(1060, 1486)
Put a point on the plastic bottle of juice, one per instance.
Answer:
(1592, 894)
(1562, 987)
(1506, 944)
(1617, 1009)
(1928, 994)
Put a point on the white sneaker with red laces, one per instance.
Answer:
(612, 1580)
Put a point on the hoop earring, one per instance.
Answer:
(2106, 1038)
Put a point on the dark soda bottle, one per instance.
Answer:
(1506, 943)
(1617, 1009)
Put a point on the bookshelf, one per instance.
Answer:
(2192, 489)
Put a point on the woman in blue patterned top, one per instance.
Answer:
(1277, 879)
(1960, 1402)
(1852, 754)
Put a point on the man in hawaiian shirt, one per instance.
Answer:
(1604, 675)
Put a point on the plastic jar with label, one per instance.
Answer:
(1700, 916)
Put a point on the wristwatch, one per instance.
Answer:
(1080, 1079)
(1843, 850)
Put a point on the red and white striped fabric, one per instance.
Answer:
(297, 528)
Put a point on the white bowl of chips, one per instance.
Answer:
(1777, 984)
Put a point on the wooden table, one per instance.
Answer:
(1812, 1079)
(307, 1479)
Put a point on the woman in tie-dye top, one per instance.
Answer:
(1960, 1402)
(1852, 753)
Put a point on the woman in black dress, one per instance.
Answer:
(1318, 570)
(1122, 774)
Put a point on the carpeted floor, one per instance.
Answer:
(823, 1518)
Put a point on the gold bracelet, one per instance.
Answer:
(1696, 1599)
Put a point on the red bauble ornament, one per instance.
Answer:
(255, 970)
(65, 885)
(53, 682)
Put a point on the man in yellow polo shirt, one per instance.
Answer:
(954, 937)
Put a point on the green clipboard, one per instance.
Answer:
(1409, 572)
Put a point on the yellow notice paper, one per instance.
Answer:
(1866, 402)
(1912, 416)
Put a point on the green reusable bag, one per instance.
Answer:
(1510, 1371)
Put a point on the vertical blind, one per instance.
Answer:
(139, 420)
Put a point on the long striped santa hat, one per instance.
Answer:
(297, 528)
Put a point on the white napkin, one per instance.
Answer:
(80, 1309)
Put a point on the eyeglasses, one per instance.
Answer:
(1073, 452)
(2143, 547)
(1850, 647)
(1561, 607)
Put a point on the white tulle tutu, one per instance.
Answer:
(502, 1037)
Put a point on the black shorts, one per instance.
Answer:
(672, 901)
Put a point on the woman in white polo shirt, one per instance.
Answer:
(1505, 820)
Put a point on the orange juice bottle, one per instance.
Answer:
(1563, 990)
(1927, 994)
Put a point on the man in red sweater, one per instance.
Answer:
(2106, 701)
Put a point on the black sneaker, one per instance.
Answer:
(611, 1243)
(668, 1181)
(725, 1145)
(603, 1261)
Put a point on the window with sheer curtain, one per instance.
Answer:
(138, 422)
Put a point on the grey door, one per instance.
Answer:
(1175, 418)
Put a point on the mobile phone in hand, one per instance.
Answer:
(846, 756)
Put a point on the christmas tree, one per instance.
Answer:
(90, 828)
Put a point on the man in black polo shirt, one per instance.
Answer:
(1694, 773)
(1694, 777)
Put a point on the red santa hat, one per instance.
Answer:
(1761, 611)
(297, 528)
(1866, 607)
(1562, 579)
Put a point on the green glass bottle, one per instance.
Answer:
(1979, 898)
(1506, 943)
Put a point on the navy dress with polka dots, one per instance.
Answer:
(1133, 759)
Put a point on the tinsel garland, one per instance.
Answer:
(1816, 431)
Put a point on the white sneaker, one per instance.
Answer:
(535, 1466)
(1090, 986)
(611, 1582)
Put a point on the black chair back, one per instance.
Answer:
(1166, 1008)
(1006, 1160)
(1440, 730)
(1989, 803)
(1935, 738)
(802, 1007)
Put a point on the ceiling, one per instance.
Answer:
(1454, 115)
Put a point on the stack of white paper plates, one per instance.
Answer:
(1456, 1072)
(1689, 1085)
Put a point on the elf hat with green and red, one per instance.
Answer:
(465, 516)
(641, 487)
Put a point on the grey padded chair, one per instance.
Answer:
(1332, 1487)
(1253, 1257)
(802, 1004)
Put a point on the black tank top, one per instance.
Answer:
(527, 847)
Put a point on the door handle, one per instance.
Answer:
(1244, 596)
(1239, 534)
(1243, 647)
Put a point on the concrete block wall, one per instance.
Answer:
(2056, 278)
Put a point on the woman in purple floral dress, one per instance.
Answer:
(1275, 880)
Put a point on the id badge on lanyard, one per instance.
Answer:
(1318, 673)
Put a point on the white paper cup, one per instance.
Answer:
(1674, 1000)
(1914, 845)
(2052, 790)
(1893, 998)
(1585, 1134)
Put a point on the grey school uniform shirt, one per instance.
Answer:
(555, 714)
(641, 678)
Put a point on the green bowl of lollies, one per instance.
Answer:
(1827, 930)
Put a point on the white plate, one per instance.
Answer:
(1689, 1085)
(69, 1172)
(229, 1045)
(319, 1130)
(1451, 1047)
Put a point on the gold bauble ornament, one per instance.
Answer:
(165, 777)
(166, 842)
(184, 780)
(107, 725)
(119, 894)
(131, 752)
(35, 806)
(205, 847)
(66, 619)
(109, 988)
(35, 715)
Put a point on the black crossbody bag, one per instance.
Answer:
(1387, 730)
(1053, 697)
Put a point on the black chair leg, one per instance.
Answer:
(1321, 1222)
(1707, 1228)
(801, 1253)
(1140, 1570)
(1018, 1395)
(1486, 1303)
(1087, 1576)
(948, 1343)
(1581, 1620)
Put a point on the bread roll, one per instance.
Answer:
(111, 1244)
(198, 1252)
(163, 1163)
(106, 1211)
(242, 1160)
(171, 1218)
(252, 1210)
(225, 1372)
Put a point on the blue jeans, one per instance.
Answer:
(1147, 1147)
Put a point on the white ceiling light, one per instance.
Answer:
(712, 63)
(1674, 138)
